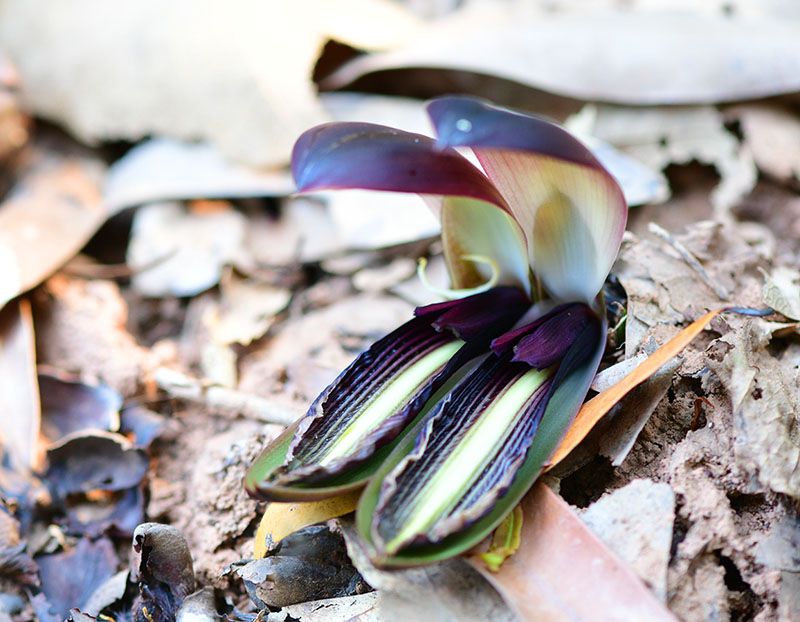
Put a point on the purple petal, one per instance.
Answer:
(375, 157)
(550, 342)
(510, 339)
(469, 317)
(470, 122)
(569, 207)
(545, 341)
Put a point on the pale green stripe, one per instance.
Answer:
(469, 457)
(391, 398)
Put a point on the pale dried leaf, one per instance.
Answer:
(245, 311)
(164, 169)
(708, 58)
(247, 88)
(772, 134)
(448, 591)
(658, 137)
(181, 253)
(361, 608)
(765, 407)
(50, 214)
(782, 291)
(563, 572)
(19, 407)
(635, 522)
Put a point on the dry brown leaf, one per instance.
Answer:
(681, 57)
(660, 136)
(772, 134)
(449, 591)
(562, 572)
(635, 522)
(82, 329)
(165, 169)
(281, 519)
(50, 214)
(177, 252)
(20, 411)
(238, 75)
(765, 406)
(245, 310)
(593, 410)
(782, 291)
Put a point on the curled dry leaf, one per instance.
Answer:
(311, 564)
(450, 591)
(97, 461)
(19, 409)
(563, 573)
(256, 73)
(635, 522)
(70, 578)
(708, 58)
(70, 406)
(757, 383)
(178, 252)
(49, 215)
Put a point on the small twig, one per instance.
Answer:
(690, 259)
(222, 399)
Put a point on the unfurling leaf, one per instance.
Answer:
(352, 424)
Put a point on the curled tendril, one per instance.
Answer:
(452, 294)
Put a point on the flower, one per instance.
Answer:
(451, 416)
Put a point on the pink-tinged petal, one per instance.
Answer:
(570, 208)
(482, 244)
(375, 157)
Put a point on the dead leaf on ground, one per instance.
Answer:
(81, 328)
(20, 412)
(563, 572)
(765, 407)
(96, 461)
(782, 291)
(450, 591)
(597, 407)
(70, 578)
(245, 310)
(175, 251)
(51, 212)
(772, 135)
(635, 522)
(661, 136)
(311, 564)
(254, 74)
(708, 58)
(165, 169)
(615, 434)
(70, 406)
(15, 561)
(361, 608)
